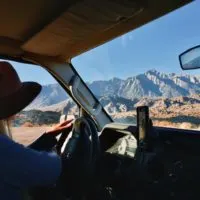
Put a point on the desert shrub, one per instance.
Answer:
(27, 124)
(36, 117)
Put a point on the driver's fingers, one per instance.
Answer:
(66, 126)
(66, 122)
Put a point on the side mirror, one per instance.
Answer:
(190, 59)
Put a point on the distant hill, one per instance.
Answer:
(164, 111)
(174, 100)
(63, 106)
(111, 104)
(150, 84)
(50, 94)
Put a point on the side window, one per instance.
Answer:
(45, 110)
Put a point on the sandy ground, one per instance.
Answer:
(26, 135)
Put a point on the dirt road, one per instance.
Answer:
(26, 135)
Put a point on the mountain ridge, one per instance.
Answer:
(149, 84)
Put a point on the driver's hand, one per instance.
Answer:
(59, 128)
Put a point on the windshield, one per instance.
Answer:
(142, 68)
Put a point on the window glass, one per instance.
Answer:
(142, 68)
(45, 110)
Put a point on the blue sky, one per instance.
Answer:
(33, 73)
(154, 46)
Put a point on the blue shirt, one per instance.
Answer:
(22, 167)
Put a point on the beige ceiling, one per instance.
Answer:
(64, 29)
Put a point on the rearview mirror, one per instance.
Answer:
(190, 59)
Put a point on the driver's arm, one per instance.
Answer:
(48, 140)
(24, 167)
(45, 142)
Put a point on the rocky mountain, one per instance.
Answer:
(150, 84)
(111, 104)
(119, 92)
(114, 104)
(50, 94)
(164, 103)
(179, 112)
(107, 88)
(61, 107)
(173, 100)
(172, 112)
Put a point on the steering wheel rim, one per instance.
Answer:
(81, 169)
(83, 126)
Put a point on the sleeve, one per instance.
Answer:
(45, 142)
(24, 167)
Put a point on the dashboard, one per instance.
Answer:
(167, 169)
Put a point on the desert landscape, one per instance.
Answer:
(27, 135)
(177, 112)
(173, 101)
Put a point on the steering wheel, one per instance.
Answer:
(79, 156)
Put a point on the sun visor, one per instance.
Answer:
(81, 22)
(87, 24)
